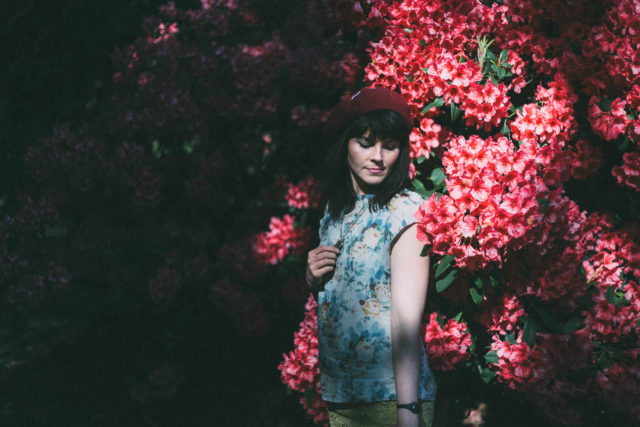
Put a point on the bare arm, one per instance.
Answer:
(409, 280)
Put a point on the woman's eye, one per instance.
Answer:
(390, 146)
(365, 144)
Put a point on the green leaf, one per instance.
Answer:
(419, 188)
(544, 204)
(455, 112)
(625, 144)
(425, 251)
(501, 73)
(476, 296)
(610, 295)
(529, 331)
(605, 104)
(549, 320)
(408, 30)
(505, 129)
(486, 69)
(421, 159)
(440, 318)
(437, 103)
(157, 150)
(444, 283)
(444, 263)
(487, 375)
(458, 317)
(494, 282)
(491, 357)
(418, 184)
(504, 54)
(437, 177)
(479, 283)
(572, 325)
(425, 70)
(190, 146)
(408, 78)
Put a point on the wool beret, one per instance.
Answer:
(362, 102)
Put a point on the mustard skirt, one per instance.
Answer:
(374, 414)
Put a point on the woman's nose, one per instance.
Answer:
(377, 152)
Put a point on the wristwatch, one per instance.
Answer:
(413, 406)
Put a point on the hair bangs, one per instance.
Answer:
(384, 125)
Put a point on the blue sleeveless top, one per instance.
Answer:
(354, 310)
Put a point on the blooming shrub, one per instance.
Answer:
(518, 111)
(190, 178)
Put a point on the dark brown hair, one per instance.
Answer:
(338, 188)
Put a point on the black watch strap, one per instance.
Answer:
(413, 406)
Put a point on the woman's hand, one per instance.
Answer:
(320, 261)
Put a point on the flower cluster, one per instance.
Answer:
(492, 202)
(282, 239)
(425, 138)
(516, 113)
(517, 364)
(304, 195)
(447, 344)
(299, 369)
(629, 173)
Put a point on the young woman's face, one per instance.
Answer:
(370, 161)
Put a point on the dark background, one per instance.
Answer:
(56, 61)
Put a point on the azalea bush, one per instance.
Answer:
(526, 151)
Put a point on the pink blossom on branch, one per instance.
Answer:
(282, 239)
(629, 173)
(446, 345)
(304, 195)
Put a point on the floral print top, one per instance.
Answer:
(354, 322)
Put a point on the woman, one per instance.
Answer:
(371, 279)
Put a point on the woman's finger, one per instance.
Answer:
(325, 248)
(322, 263)
(323, 256)
(324, 270)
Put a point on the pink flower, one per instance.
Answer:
(304, 195)
(446, 345)
(608, 125)
(282, 239)
(629, 173)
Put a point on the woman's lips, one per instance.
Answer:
(375, 170)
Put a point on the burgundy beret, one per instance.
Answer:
(362, 102)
